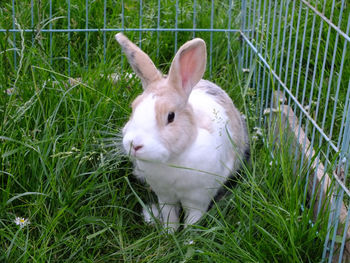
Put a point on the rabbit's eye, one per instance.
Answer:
(171, 117)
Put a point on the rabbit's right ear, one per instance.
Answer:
(188, 66)
(139, 61)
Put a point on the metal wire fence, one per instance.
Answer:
(296, 51)
(130, 18)
(302, 53)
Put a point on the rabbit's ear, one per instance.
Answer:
(139, 61)
(188, 66)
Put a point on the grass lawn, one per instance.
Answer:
(61, 164)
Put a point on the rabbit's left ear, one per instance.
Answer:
(140, 62)
(188, 66)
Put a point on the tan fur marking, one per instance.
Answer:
(178, 135)
(154, 88)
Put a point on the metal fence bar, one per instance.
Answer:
(345, 156)
(69, 37)
(123, 15)
(249, 18)
(336, 217)
(122, 29)
(194, 18)
(344, 127)
(329, 229)
(253, 27)
(344, 118)
(284, 38)
(341, 253)
(328, 93)
(246, 25)
(14, 35)
(265, 57)
(50, 28)
(319, 97)
(295, 53)
(211, 39)
(261, 68)
(303, 97)
(229, 34)
(341, 68)
(87, 33)
(104, 26)
(158, 26)
(32, 18)
(254, 31)
(290, 26)
(140, 25)
(299, 72)
(332, 69)
(243, 27)
(270, 59)
(257, 80)
(309, 106)
(176, 21)
(77, 30)
(318, 161)
(290, 47)
(277, 49)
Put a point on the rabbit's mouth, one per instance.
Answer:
(149, 154)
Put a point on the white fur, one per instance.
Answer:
(142, 130)
(192, 177)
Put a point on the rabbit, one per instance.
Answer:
(185, 136)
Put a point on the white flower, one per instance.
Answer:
(269, 110)
(258, 131)
(189, 242)
(21, 222)
(9, 91)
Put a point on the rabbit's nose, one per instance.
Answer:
(137, 147)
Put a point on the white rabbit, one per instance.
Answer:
(185, 136)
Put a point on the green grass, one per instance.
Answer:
(60, 168)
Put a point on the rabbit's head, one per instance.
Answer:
(162, 123)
